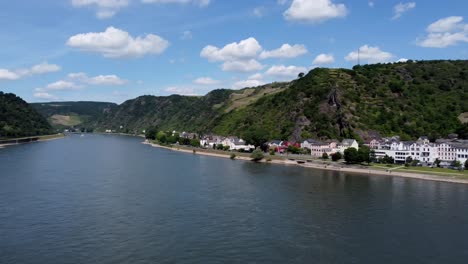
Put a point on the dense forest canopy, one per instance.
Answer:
(19, 119)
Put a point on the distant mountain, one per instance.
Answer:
(18, 119)
(74, 114)
(408, 99)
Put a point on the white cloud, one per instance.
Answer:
(315, 11)
(104, 8)
(285, 71)
(259, 11)
(402, 60)
(245, 49)
(44, 68)
(186, 35)
(181, 90)
(247, 83)
(445, 32)
(116, 43)
(242, 66)
(282, 2)
(285, 51)
(447, 24)
(61, 86)
(402, 8)
(369, 54)
(6, 74)
(256, 76)
(201, 3)
(102, 80)
(324, 59)
(206, 81)
(45, 95)
(38, 69)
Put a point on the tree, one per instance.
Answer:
(257, 155)
(351, 156)
(151, 132)
(456, 164)
(325, 156)
(387, 160)
(466, 164)
(437, 163)
(161, 137)
(195, 143)
(336, 156)
(372, 155)
(257, 136)
(301, 75)
(294, 150)
(408, 160)
(364, 154)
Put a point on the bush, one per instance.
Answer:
(257, 155)
(325, 156)
(336, 156)
(466, 164)
(233, 156)
(272, 152)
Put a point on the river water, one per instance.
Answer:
(110, 199)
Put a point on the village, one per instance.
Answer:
(446, 153)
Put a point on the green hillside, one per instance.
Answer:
(407, 99)
(74, 114)
(18, 119)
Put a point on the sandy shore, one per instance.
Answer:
(373, 172)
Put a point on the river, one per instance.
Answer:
(110, 199)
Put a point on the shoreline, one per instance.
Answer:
(40, 139)
(361, 171)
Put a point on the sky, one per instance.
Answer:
(115, 50)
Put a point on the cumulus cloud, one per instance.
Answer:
(242, 65)
(285, 51)
(60, 86)
(206, 81)
(445, 32)
(369, 54)
(181, 90)
(42, 68)
(314, 11)
(104, 8)
(6, 74)
(201, 3)
(245, 49)
(402, 60)
(324, 59)
(116, 43)
(402, 8)
(77, 81)
(102, 80)
(45, 96)
(282, 71)
(243, 56)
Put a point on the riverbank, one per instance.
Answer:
(325, 166)
(26, 140)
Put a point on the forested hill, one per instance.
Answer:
(408, 99)
(83, 115)
(19, 119)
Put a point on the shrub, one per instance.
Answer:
(257, 155)
(233, 156)
(336, 156)
(325, 156)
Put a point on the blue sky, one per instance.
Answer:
(114, 50)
